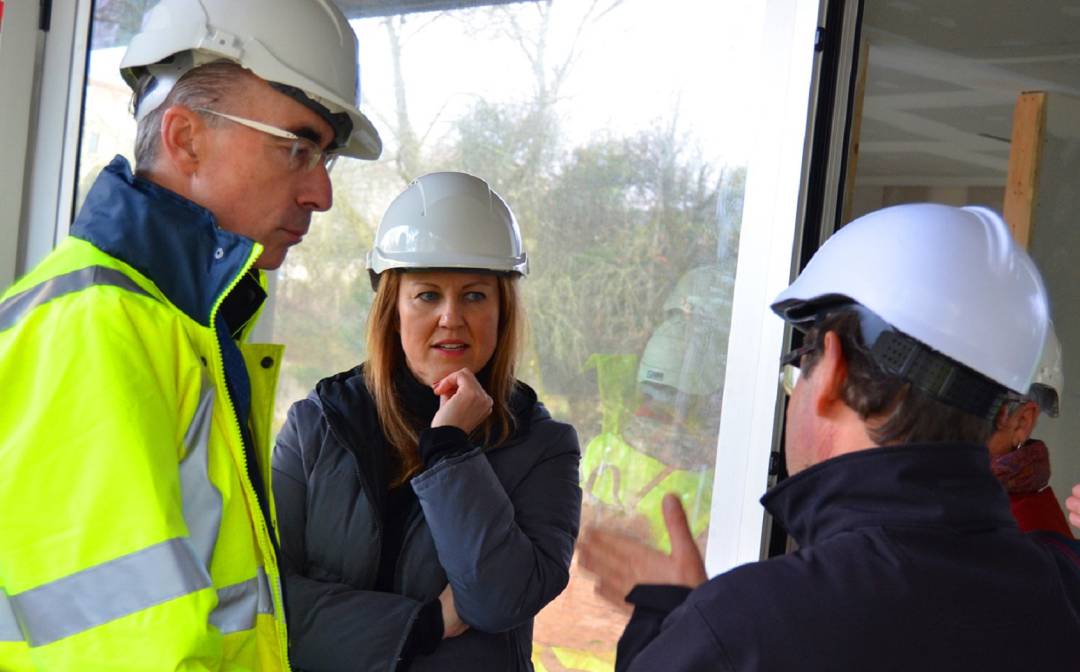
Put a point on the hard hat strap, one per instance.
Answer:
(158, 80)
(1046, 397)
(936, 375)
(902, 356)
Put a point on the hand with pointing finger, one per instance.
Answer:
(621, 562)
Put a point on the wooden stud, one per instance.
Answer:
(1025, 151)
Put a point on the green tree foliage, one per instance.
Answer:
(626, 216)
(323, 296)
(610, 224)
(116, 21)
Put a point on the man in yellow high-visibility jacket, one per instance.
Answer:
(135, 517)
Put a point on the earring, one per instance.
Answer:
(1019, 445)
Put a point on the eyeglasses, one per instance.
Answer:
(789, 367)
(304, 154)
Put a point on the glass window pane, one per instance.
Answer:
(618, 131)
(610, 130)
(107, 131)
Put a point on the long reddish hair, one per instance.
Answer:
(386, 356)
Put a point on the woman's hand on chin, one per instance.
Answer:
(463, 402)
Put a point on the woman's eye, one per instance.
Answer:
(428, 296)
(473, 297)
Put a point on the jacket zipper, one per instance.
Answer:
(414, 525)
(249, 489)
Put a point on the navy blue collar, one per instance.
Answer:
(169, 239)
(944, 485)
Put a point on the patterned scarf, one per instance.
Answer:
(1024, 470)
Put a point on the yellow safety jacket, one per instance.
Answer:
(620, 475)
(131, 536)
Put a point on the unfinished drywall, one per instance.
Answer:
(1055, 246)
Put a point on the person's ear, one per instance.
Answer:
(1026, 417)
(829, 375)
(181, 132)
(1001, 420)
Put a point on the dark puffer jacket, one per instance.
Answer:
(499, 525)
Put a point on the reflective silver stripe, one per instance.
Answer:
(266, 599)
(9, 627)
(239, 603)
(201, 500)
(15, 307)
(111, 590)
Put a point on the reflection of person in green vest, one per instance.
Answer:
(661, 412)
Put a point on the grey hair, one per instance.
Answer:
(204, 86)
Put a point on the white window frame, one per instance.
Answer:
(41, 135)
(776, 172)
(19, 40)
(41, 132)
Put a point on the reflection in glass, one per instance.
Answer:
(618, 135)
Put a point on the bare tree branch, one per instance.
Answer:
(408, 155)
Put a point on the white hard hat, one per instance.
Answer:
(298, 46)
(950, 278)
(704, 291)
(685, 353)
(1049, 384)
(448, 220)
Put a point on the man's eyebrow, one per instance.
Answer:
(309, 132)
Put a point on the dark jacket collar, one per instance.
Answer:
(169, 239)
(422, 404)
(352, 418)
(340, 395)
(419, 400)
(942, 485)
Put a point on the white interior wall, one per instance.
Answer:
(872, 197)
(1055, 241)
(20, 41)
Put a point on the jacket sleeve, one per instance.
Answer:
(506, 554)
(652, 604)
(668, 631)
(332, 625)
(92, 430)
(1039, 511)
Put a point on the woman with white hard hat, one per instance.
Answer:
(428, 503)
